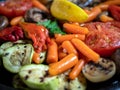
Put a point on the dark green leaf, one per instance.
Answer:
(52, 26)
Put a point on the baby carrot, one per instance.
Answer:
(105, 18)
(61, 52)
(93, 14)
(105, 5)
(86, 10)
(85, 50)
(36, 58)
(16, 20)
(57, 35)
(65, 37)
(77, 69)
(64, 64)
(69, 47)
(74, 29)
(52, 55)
(75, 23)
(39, 5)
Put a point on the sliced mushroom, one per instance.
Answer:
(101, 71)
(3, 22)
(36, 15)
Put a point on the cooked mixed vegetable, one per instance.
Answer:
(60, 44)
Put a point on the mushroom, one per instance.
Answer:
(36, 15)
(3, 22)
(101, 71)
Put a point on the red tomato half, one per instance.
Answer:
(13, 8)
(104, 38)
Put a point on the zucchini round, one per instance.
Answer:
(17, 56)
(6, 45)
(36, 76)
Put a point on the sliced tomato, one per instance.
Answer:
(13, 8)
(104, 38)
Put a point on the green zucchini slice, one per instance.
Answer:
(17, 56)
(6, 45)
(36, 76)
(18, 83)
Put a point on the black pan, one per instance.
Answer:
(112, 84)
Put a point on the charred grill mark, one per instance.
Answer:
(46, 73)
(6, 54)
(91, 68)
(30, 71)
(65, 88)
(110, 66)
(105, 66)
(13, 44)
(23, 54)
(41, 79)
(79, 87)
(41, 57)
(67, 79)
(25, 46)
(26, 77)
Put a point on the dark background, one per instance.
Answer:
(112, 84)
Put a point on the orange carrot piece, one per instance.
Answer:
(61, 55)
(57, 35)
(61, 52)
(16, 20)
(69, 47)
(52, 55)
(36, 58)
(105, 18)
(39, 5)
(75, 23)
(84, 57)
(64, 64)
(85, 50)
(93, 14)
(75, 29)
(86, 10)
(62, 38)
(77, 69)
(105, 5)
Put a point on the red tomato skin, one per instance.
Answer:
(103, 38)
(115, 11)
(38, 34)
(13, 33)
(106, 52)
(13, 8)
